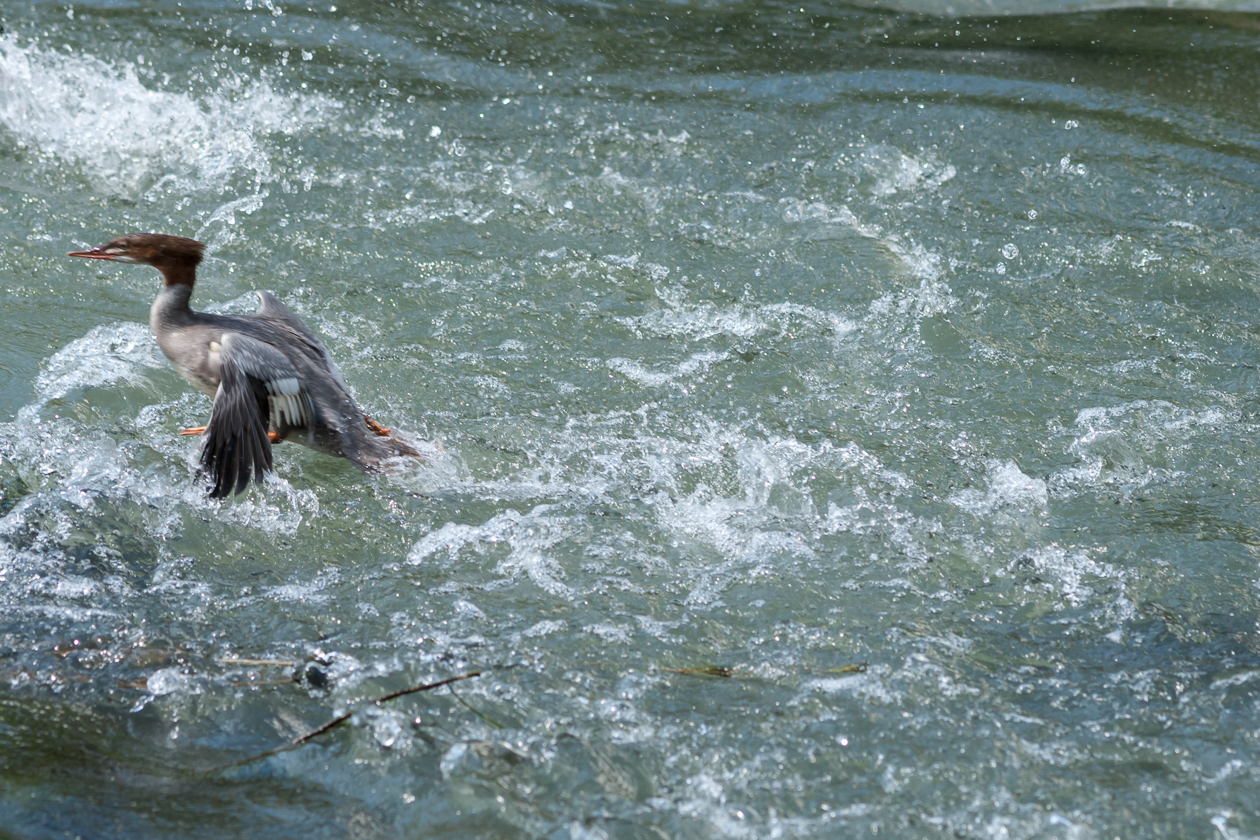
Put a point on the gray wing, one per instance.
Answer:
(274, 310)
(255, 380)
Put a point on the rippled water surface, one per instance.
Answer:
(837, 421)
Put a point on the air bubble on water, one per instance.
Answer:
(390, 728)
(168, 681)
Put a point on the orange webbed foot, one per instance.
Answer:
(377, 427)
(200, 430)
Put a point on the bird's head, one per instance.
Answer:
(156, 249)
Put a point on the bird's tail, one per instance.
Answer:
(379, 446)
(399, 449)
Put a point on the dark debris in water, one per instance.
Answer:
(314, 676)
(704, 671)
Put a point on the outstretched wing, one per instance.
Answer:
(254, 379)
(274, 310)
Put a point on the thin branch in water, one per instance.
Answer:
(340, 719)
(727, 673)
(476, 712)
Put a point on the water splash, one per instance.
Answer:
(109, 353)
(1009, 488)
(889, 171)
(128, 139)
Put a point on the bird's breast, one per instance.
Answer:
(195, 356)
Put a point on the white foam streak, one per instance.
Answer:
(701, 321)
(696, 363)
(528, 536)
(452, 537)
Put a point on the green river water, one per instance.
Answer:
(838, 421)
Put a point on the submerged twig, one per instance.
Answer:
(340, 719)
(475, 711)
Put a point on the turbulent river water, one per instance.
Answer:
(837, 421)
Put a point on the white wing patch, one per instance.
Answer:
(288, 404)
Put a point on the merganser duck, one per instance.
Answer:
(270, 377)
